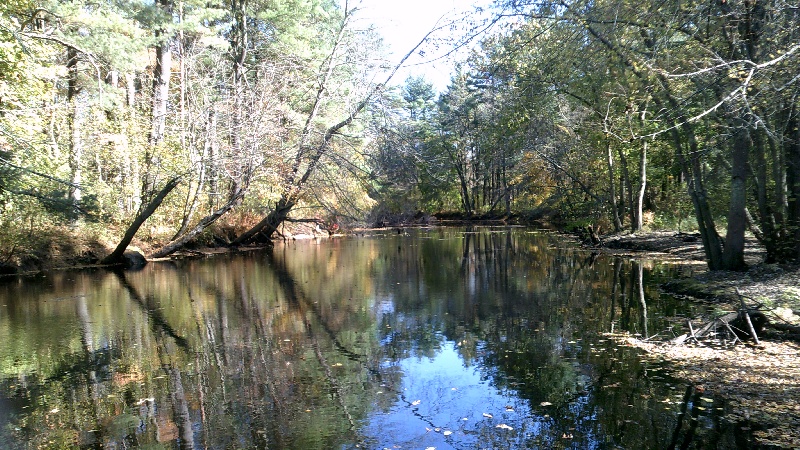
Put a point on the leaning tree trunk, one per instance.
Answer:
(118, 255)
(180, 241)
(293, 188)
(690, 160)
(692, 171)
(269, 224)
(158, 107)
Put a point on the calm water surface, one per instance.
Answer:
(438, 338)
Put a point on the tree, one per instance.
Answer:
(316, 136)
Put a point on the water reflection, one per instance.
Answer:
(475, 338)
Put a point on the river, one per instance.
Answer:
(434, 338)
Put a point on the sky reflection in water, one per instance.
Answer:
(445, 338)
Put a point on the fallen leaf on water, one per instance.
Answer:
(504, 427)
(487, 415)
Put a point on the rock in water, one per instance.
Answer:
(134, 260)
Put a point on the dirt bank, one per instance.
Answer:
(761, 383)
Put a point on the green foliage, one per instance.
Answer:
(551, 113)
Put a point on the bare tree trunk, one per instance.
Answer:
(117, 256)
(628, 189)
(74, 117)
(779, 175)
(161, 76)
(158, 109)
(733, 254)
(179, 242)
(793, 184)
(466, 200)
(768, 225)
(192, 200)
(211, 147)
(239, 50)
(311, 155)
(613, 189)
(130, 89)
(639, 212)
(268, 224)
(693, 174)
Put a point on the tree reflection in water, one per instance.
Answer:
(446, 338)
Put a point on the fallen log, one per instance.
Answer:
(737, 325)
(744, 312)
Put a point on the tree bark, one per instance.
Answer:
(158, 108)
(765, 211)
(792, 251)
(268, 224)
(117, 256)
(627, 191)
(312, 155)
(733, 254)
(161, 76)
(693, 174)
(612, 187)
(130, 89)
(642, 187)
(74, 128)
(179, 242)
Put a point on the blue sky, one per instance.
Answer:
(403, 23)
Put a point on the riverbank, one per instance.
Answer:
(776, 286)
(760, 383)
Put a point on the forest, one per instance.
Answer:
(179, 123)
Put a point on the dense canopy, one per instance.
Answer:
(171, 122)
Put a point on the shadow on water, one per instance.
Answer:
(445, 338)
